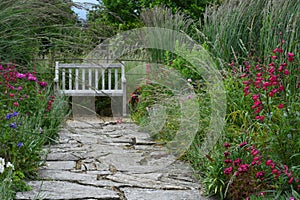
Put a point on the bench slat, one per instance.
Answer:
(116, 78)
(83, 65)
(76, 79)
(96, 79)
(83, 79)
(109, 79)
(90, 79)
(70, 79)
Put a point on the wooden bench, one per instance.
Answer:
(91, 80)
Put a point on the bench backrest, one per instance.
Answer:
(90, 79)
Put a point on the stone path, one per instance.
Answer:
(111, 161)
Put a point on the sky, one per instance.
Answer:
(82, 12)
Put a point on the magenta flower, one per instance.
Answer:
(280, 106)
(237, 162)
(228, 161)
(274, 57)
(243, 168)
(286, 72)
(226, 144)
(260, 174)
(243, 144)
(31, 77)
(16, 104)
(43, 84)
(226, 153)
(19, 88)
(19, 75)
(255, 97)
(228, 170)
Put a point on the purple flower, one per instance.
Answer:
(43, 84)
(19, 88)
(15, 114)
(19, 75)
(8, 116)
(13, 125)
(31, 77)
(20, 144)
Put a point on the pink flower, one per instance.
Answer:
(272, 64)
(11, 95)
(243, 168)
(246, 82)
(261, 118)
(16, 104)
(243, 75)
(291, 180)
(226, 153)
(275, 50)
(280, 106)
(290, 59)
(228, 170)
(281, 88)
(226, 144)
(255, 97)
(269, 162)
(254, 152)
(280, 68)
(274, 57)
(43, 84)
(243, 144)
(31, 77)
(273, 78)
(228, 161)
(260, 174)
(237, 162)
(272, 70)
(19, 75)
(290, 54)
(259, 74)
(286, 72)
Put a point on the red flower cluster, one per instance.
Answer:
(50, 102)
(265, 82)
(255, 168)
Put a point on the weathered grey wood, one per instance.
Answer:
(64, 78)
(70, 79)
(87, 88)
(103, 79)
(116, 78)
(109, 79)
(83, 79)
(76, 79)
(96, 78)
(90, 79)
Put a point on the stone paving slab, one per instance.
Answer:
(97, 160)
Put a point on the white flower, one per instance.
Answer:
(8, 164)
(2, 164)
(189, 80)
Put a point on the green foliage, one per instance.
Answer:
(30, 117)
(33, 28)
(236, 29)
